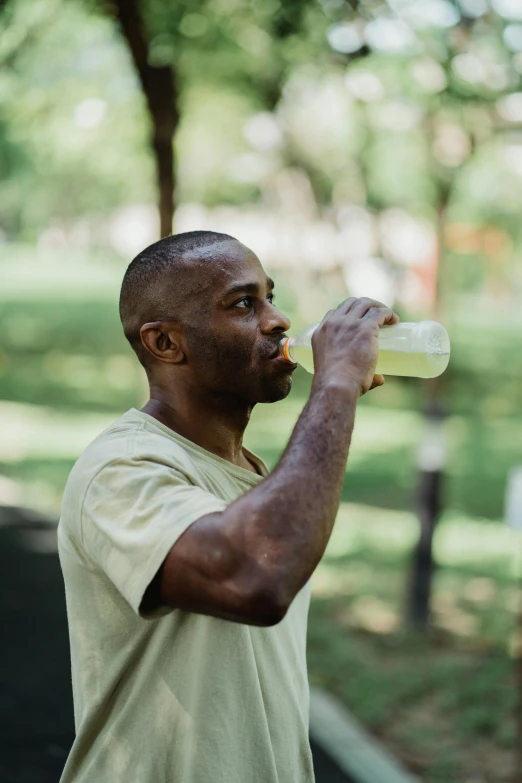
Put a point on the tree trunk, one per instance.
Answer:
(161, 92)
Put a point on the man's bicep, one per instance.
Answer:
(208, 571)
(175, 581)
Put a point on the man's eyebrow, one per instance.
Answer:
(249, 288)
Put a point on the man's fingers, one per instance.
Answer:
(382, 315)
(391, 318)
(346, 306)
(376, 310)
(363, 305)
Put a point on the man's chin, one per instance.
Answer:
(277, 391)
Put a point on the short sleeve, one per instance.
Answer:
(133, 513)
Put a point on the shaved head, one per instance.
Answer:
(162, 281)
(198, 311)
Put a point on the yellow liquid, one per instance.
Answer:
(304, 356)
(414, 365)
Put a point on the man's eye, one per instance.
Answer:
(246, 299)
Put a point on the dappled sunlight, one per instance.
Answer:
(514, 645)
(377, 430)
(121, 371)
(29, 274)
(77, 371)
(460, 539)
(38, 431)
(83, 372)
(363, 574)
(38, 494)
(366, 526)
(271, 425)
(480, 590)
(447, 614)
(370, 614)
(329, 581)
(11, 492)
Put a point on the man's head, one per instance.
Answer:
(197, 308)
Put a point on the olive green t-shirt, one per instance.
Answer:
(172, 696)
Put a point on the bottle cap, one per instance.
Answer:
(284, 349)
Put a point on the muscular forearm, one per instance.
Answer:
(291, 514)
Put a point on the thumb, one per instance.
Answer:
(378, 380)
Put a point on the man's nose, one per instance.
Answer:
(275, 321)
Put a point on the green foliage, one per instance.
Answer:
(73, 115)
(72, 119)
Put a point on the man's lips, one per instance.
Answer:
(276, 355)
(282, 360)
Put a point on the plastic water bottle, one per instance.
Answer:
(418, 350)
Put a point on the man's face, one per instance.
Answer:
(234, 329)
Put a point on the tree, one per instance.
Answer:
(169, 43)
(160, 88)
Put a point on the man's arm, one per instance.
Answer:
(248, 562)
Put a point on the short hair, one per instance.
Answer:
(146, 295)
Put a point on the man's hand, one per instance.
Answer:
(345, 344)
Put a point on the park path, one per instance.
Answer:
(36, 714)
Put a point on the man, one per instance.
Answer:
(186, 564)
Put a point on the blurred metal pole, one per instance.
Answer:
(431, 461)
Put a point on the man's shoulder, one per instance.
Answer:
(127, 442)
(130, 450)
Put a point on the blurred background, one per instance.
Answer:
(359, 147)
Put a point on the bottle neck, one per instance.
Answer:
(284, 349)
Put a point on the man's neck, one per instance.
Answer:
(212, 424)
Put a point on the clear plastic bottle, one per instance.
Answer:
(418, 350)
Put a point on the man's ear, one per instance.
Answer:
(164, 341)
